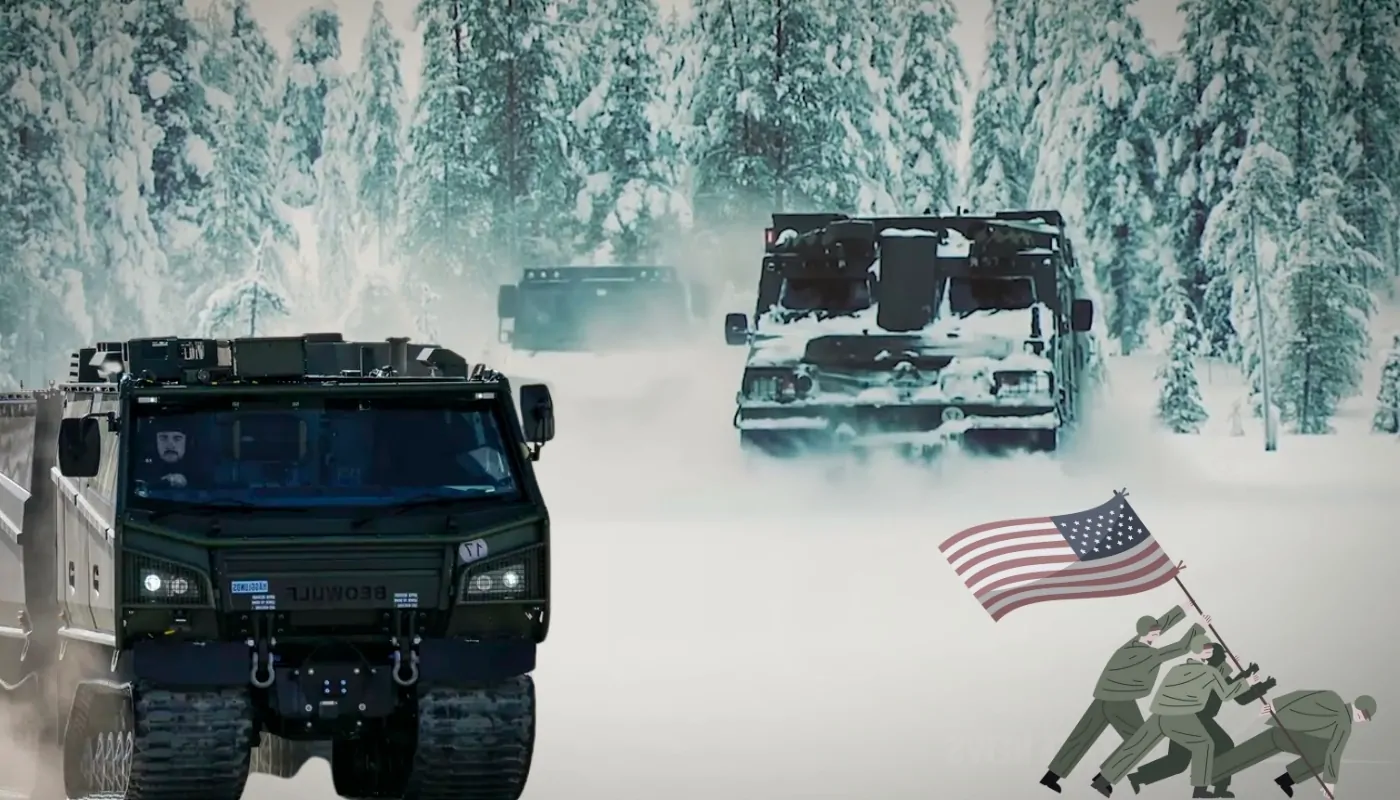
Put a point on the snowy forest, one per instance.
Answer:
(167, 170)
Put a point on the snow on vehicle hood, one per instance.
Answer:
(997, 335)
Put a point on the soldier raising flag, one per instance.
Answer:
(1108, 552)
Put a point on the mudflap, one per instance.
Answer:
(284, 758)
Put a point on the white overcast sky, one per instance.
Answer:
(1159, 19)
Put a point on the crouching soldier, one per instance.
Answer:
(1178, 758)
(1175, 709)
(1316, 726)
(1129, 676)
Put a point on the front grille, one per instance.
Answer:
(513, 577)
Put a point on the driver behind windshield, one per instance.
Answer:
(447, 454)
(170, 464)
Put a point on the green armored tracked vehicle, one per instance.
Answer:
(232, 555)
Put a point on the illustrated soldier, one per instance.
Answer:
(1178, 757)
(1316, 726)
(1175, 709)
(1129, 676)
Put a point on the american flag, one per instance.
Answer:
(1102, 552)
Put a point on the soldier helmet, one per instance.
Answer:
(1366, 704)
(1199, 642)
(1146, 625)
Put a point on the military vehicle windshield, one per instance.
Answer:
(600, 315)
(839, 295)
(970, 295)
(311, 451)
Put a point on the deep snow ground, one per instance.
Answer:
(766, 632)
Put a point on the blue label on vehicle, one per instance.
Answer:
(249, 587)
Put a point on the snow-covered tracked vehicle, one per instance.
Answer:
(238, 554)
(908, 333)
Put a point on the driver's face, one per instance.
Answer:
(170, 445)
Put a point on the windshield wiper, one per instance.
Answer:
(209, 509)
(420, 501)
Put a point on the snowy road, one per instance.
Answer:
(706, 646)
(724, 630)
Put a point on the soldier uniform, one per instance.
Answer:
(1182, 696)
(1178, 758)
(1318, 725)
(1129, 677)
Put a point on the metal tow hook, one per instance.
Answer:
(261, 683)
(397, 675)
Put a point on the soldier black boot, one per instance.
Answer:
(1102, 785)
(1135, 781)
(1051, 781)
(1223, 790)
(1202, 791)
(1285, 783)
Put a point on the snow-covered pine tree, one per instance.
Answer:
(252, 304)
(168, 81)
(627, 206)
(242, 223)
(312, 74)
(1387, 418)
(999, 178)
(1327, 303)
(1237, 238)
(128, 278)
(379, 135)
(519, 134)
(929, 87)
(42, 232)
(731, 148)
(444, 182)
(1368, 102)
(1111, 143)
(1179, 405)
(1222, 74)
(337, 234)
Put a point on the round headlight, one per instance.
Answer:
(151, 582)
(952, 414)
(510, 580)
(483, 583)
(179, 586)
(802, 383)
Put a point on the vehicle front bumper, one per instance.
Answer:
(924, 425)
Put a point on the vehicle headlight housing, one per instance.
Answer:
(155, 581)
(963, 385)
(509, 577)
(770, 386)
(1024, 383)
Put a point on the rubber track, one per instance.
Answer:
(190, 744)
(474, 744)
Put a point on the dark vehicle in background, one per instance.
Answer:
(239, 554)
(638, 325)
(910, 333)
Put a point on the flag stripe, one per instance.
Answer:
(1048, 533)
(1115, 567)
(957, 538)
(1062, 559)
(1161, 576)
(1079, 575)
(1014, 551)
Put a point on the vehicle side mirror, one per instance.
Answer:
(699, 301)
(537, 412)
(79, 447)
(1081, 316)
(506, 301)
(736, 329)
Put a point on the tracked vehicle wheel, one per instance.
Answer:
(474, 744)
(372, 768)
(157, 744)
(284, 758)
